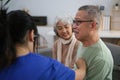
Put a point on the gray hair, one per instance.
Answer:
(63, 19)
(94, 13)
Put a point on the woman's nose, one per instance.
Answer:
(64, 30)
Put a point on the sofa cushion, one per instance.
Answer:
(115, 50)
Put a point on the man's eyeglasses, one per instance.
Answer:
(78, 22)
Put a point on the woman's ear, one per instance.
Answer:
(31, 35)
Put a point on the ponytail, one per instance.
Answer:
(7, 55)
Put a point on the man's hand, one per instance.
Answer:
(81, 71)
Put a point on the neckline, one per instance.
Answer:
(24, 55)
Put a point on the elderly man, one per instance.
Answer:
(92, 49)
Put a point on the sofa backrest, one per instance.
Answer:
(115, 50)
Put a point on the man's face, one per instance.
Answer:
(81, 25)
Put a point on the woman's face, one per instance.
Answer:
(64, 30)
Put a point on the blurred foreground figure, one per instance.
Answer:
(18, 60)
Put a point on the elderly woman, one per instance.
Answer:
(65, 47)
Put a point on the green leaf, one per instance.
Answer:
(6, 2)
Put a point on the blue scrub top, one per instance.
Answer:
(36, 67)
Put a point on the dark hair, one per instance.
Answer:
(18, 24)
(5, 43)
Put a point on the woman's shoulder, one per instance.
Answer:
(56, 41)
(38, 57)
(40, 60)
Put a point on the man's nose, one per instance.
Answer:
(73, 26)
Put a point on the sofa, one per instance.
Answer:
(45, 52)
(115, 50)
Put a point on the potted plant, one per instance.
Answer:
(3, 8)
(3, 4)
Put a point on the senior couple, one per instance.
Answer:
(79, 39)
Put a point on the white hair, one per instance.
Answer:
(64, 19)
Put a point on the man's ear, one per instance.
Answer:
(31, 35)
